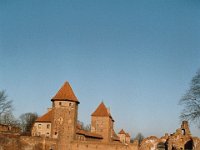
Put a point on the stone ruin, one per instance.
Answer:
(180, 140)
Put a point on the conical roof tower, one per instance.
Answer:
(101, 111)
(65, 94)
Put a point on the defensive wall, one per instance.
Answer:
(85, 145)
(16, 142)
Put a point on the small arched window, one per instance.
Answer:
(183, 131)
(48, 126)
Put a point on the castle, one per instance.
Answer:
(59, 129)
(60, 122)
(180, 140)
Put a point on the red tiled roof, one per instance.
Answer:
(45, 118)
(65, 93)
(115, 137)
(122, 132)
(127, 135)
(101, 111)
(88, 134)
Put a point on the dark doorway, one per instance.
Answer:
(183, 131)
(162, 146)
(189, 145)
(173, 148)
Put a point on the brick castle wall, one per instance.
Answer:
(40, 143)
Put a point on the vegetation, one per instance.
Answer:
(5, 104)
(6, 115)
(139, 137)
(9, 119)
(86, 127)
(191, 101)
(26, 122)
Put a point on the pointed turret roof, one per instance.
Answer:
(65, 94)
(122, 132)
(101, 111)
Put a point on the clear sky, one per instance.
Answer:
(138, 56)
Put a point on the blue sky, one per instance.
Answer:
(138, 56)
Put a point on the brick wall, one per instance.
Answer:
(77, 145)
(12, 142)
(102, 126)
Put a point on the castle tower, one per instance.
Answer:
(64, 116)
(122, 136)
(102, 122)
(185, 128)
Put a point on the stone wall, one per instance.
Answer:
(41, 129)
(77, 145)
(9, 128)
(37, 143)
(16, 142)
(102, 126)
(9, 142)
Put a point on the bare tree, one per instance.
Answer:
(139, 137)
(86, 127)
(191, 101)
(27, 120)
(5, 104)
(9, 119)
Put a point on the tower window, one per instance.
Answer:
(70, 104)
(48, 126)
(55, 133)
(183, 131)
(60, 103)
(39, 126)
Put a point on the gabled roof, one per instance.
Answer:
(115, 137)
(65, 94)
(127, 135)
(101, 111)
(122, 132)
(45, 118)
